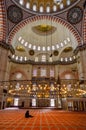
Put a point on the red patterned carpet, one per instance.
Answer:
(43, 119)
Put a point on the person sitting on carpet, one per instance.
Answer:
(27, 115)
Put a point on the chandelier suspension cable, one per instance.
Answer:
(51, 53)
(51, 37)
(46, 42)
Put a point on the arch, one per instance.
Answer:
(42, 17)
(14, 72)
(2, 21)
(70, 73)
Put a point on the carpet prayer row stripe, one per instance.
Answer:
(42, 120)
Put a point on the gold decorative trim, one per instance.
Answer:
(43, 29)
(20, 48)
(67, 49)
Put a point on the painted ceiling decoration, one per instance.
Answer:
(44, 33)
(67, 49)
(50, 46)
(45, 6)
(55, 53)
(20, 48)
(58, 36)
(14, 14)
(75, 15)
(31, 52)
(44, 29)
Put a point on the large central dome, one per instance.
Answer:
(45, 6)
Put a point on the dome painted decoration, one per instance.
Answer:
(75, 15)
(55, 53)
(31, 52)
(20, 48)
(67, 49)
(44, 29)
(14, 14)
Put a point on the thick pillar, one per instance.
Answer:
(4, 63)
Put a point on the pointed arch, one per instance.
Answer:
(2, 21)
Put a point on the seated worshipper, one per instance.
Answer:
(27, 115)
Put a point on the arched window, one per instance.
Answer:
(16, 101)
(39, 48)
(43, 48)
(43, 58)
(68, 2)
(33, 102)
(54, 7)
(34, 72)
(34, 47)
(52, 102)
(41, 9)
(61, 6)
(34, 7)
(21, 2)
(48, 9)
(48, 48)
(43, 72)
(27, 5)
(51, 72)
(53, 47)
